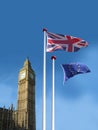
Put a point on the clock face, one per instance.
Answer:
(31, 76)
(22, 75)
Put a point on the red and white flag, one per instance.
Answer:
(64, 42)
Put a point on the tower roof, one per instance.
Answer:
(27, 63)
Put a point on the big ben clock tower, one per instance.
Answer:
(26, 98)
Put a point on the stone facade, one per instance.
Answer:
(23, 118)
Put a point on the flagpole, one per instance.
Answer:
(53, 93)
(44, 84)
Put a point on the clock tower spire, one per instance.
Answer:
(26, 97)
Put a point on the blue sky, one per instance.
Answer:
(21, 24)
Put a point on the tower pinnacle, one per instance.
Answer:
(27, 63)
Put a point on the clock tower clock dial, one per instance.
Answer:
(31, 76)
(22, 75)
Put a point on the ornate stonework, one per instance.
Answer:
(24, 117)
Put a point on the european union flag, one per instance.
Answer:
(73, 69)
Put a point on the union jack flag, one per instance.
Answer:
(64, 42)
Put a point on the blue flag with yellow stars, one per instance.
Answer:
(73, 69)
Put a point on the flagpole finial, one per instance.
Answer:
(44, 29)
(53, 57)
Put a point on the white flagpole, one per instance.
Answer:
(44, 84)
(53, 93)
